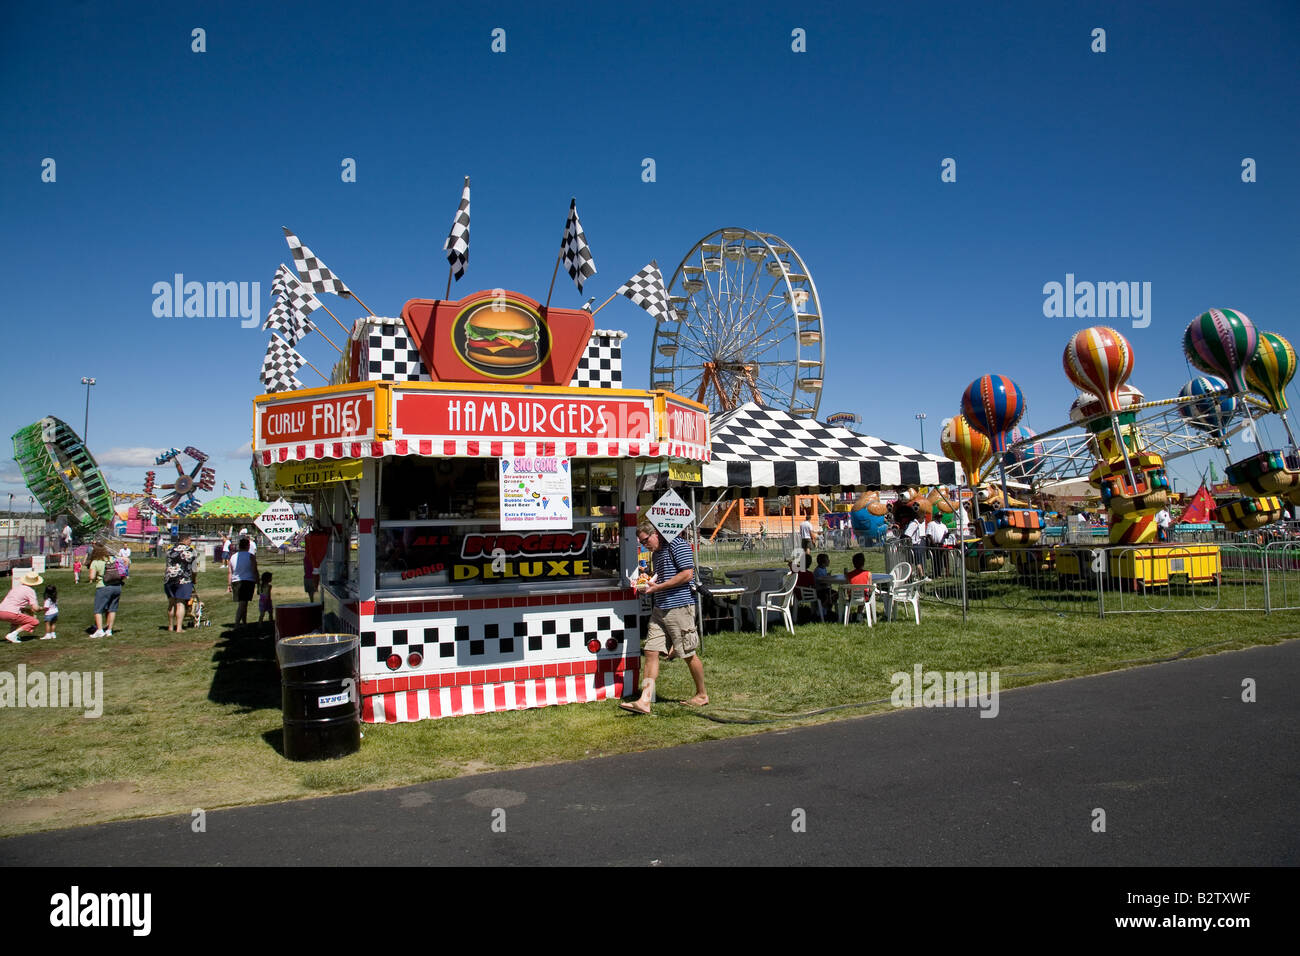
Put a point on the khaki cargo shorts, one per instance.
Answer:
(674, 628)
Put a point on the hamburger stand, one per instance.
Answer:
(473, 468)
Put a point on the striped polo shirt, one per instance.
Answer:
(670, 560)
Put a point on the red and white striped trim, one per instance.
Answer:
(484, 448)
(432, 702)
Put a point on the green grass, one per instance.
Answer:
(193, 720)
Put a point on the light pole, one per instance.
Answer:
(920, 417)
(85, 428)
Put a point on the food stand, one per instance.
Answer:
(462, 608)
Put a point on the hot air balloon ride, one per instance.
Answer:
(1224, 342)
(1099, 360)
(1272, 472)
(994, 404)
(1221, 342)
(1213, 407)
(1133, 482)
(967, 446)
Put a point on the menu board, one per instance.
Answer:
(536, 493)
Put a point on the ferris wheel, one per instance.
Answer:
(744, 324)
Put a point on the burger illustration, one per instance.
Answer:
(507, 339)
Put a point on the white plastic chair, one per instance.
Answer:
(779, 601)
(909, 593)
(900, 572)
(810, 596)
(860, 597)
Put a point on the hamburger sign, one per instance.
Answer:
(500, 338)
(497, 336)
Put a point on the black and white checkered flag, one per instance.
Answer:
(279, 366)
(577, 254)
(290, 314)
(300, 299)
(314, 273)
(281, 281)
(457, 244)
(646, 289)
(284, 319)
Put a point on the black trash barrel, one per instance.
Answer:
(320, 677)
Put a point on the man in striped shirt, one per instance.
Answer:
(672, 621)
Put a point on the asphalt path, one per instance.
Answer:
(1159, 765)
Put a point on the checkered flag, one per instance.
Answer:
(646, 289)
(577, 254)
(283, 318)
(457, 244)
(314, 273)
(281, 281)
(279, 365)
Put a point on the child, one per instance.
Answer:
(264, 597)
(51, 611)
(76, 570)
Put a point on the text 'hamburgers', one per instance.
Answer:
(505, 339)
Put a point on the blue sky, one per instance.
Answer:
(1117, 166)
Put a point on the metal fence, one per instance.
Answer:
(1186, 577)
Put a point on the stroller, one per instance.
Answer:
(194, 612)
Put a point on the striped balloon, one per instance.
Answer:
(993, 404)
(1210, 415)
(966, 446)
(1271, 368)
(1221, 342)
(1099, 360)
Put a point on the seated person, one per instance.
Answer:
(825, 593)
(858, 574)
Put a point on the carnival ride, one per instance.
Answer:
(1121, 442)
(62, 475)
(180, 500)
(744, 324)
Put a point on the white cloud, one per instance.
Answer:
(129, 457)
(243, 452)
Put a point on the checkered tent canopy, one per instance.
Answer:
(758, 448)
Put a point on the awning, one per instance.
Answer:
(757, 448)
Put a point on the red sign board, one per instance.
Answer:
(498, 336)
(327, 418)
(685, 423)
(503, 415)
